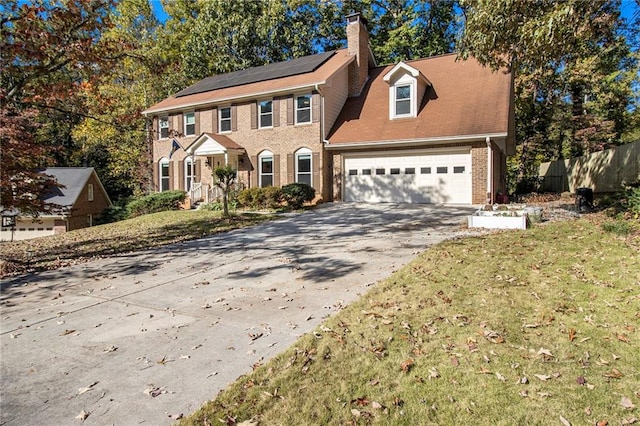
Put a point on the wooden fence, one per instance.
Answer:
(603, 171)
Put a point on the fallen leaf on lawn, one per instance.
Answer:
(626, 403)
(66, 332)
(614, 374)
(247, 423)
(623, 338)
(501, 377)
(406, 365)
(524, 380)
(356, 413)
(581, 380)
(454, 361)
(87, 389)
(544, 394)
(572, 334)
(587, 411)
(493, 336)
(433, 373)
(524, 393)
(564, 421)
(82, 416)
(545, 352)
(374, 382)
(543, 377)
(602, 423)
(630, 421)
(363, 402)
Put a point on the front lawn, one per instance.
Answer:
(524, 327)
(143, 232)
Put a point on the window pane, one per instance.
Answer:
(190, 118)
(458, 169)
(304, 102)
(304, 178)
(403, 92)
(164, 176)
(425, 170)
(303, 116)
(353, 172)
(304, 163)
(410, 171)
(266, 165)
(225, 125)
(265, 107)
(441, 170)
(395, 171)
(164, 127)
(266, 180)
(379, 171)
(403, 107)
(225, 112)
(191, 129)
(366, 172)
(266, 120)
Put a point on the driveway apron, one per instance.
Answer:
(145, 337)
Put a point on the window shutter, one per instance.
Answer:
(155, 131)
(181, 175)
(253, 171)
(276, 170)
(197, 124)
(171, 180)
(276, 112)
(215, 120)
(198, 171)
(315, 164)
(156, 178)
(234, 119)
(291, 169)
(180, 128)
(290, 110)
(315, 107)
(254, 115)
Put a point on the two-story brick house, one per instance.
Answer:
(434, 130)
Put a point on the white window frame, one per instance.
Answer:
(310, 108)
(406, 80)
(304, 152)
(227, 119)
(164, 162)
(265, 114)
(163, 123)
(187, 115)
(189, 173)
(90, 192)
(263, 157)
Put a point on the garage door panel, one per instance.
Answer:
(435, 178)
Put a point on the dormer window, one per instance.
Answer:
(403, 100)
(407, 86)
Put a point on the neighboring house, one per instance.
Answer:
(434, 130)
(81, 199)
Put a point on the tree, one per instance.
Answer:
(48, 52)
(225, 177)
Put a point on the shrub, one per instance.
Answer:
(260, 198)
(157, 202)
(296, 194)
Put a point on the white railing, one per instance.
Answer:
(195, 194)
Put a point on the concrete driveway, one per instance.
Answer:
(144, 337)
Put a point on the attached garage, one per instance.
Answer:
(432, 177)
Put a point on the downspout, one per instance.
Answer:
(322, 138)
(489, 171)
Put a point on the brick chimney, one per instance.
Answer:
(358, 45)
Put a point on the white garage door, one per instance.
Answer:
(442, 177)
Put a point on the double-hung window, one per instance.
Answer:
(164, 175)
(303, 109)
(403, 100)
(224, 119)
(303, 166)
(190, 124)
(163, 127)
(189, 173)
(265, 110)
(266, 168)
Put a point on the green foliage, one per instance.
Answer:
(157, 202)
(296, 194)
(115, 213)
(260, 198)
(618, 227)
(215, 206)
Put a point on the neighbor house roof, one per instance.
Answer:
(73, 180)
(309, 71)
(464, 99)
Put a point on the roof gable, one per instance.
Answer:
(211, 144)
(402, 68)
(73, 180)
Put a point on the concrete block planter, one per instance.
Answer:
(516, 217)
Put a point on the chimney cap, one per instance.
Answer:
(355, 17)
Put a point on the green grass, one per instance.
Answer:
(143, 232)
(458, 337)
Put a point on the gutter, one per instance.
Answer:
(434, 140)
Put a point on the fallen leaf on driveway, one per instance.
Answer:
(66, 332)
(111, 348)
(82, 416)
(87, 389)
(154, 391)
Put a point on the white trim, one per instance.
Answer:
(434, 140)
(189, 173)
(260, 114)
(303, 151)
(220, 131)
(393, 101)
(161, 162)
(405, 152)
(408, 69)
(266, 154)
